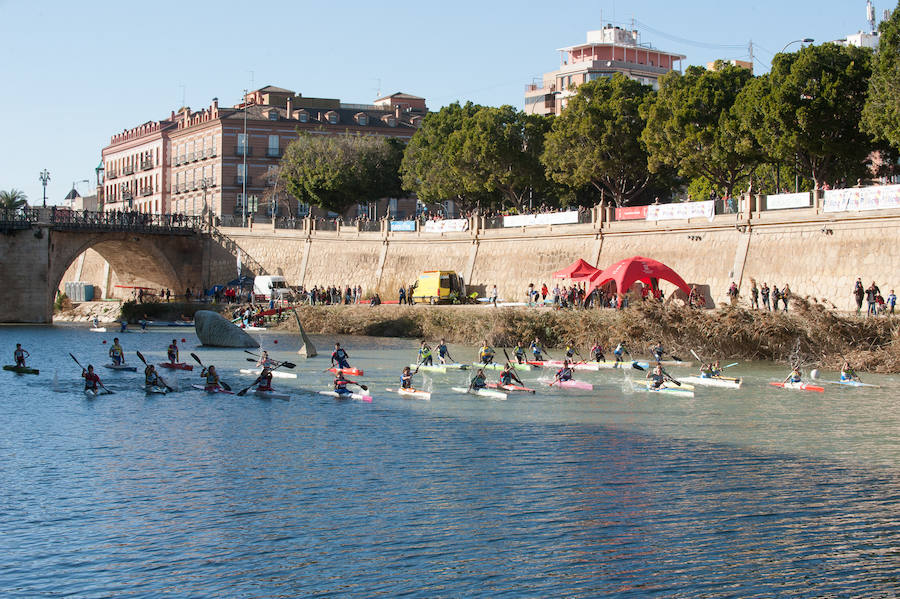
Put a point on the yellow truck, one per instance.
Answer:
(439, 286)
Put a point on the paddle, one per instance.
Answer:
(699, 359)
(274, 362)
(512, 370)
(670, 378)
(634, 363)
(730, 365)
(224, 385)
(159, 378)
(108, 392)
(243, 392)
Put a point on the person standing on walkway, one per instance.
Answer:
(402, 295)
(891, 302)
(785, 296)
(858, 293)
(754, 295)
(871, 293)
(764, 292)
(494, 295)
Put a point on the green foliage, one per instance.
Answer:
(694, 127)
(596, 139)
(807, 110)
(335, 172)
(476, 155)
(12, 199)
(881, 114)
(62, 302)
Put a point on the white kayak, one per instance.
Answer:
(357, 396)
(664, 390)
(493, 394)
(454, 366)
(439, 368)
(271, 394)
(123, 367)
(98, 329)
(155, 390)
(853, 384)
(276, 374)
(412, 393)
(498, 366)
(212, 390)
(722, 382)
(254, 329)
(94, 393)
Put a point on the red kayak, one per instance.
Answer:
(799, 387)
(177, 365)
(510, 388)
(353, 371)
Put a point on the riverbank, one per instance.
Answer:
(821, 337)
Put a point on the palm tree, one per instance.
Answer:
(12, 199)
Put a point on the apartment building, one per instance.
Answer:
(224, 159)
(134, 168)
(608, 51)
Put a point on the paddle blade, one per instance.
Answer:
(676, 358)
(288, 365)
(141, 356)
(693, 353)
(225, 385)
(637, 366)
(193, 355)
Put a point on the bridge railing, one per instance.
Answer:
(21, 218)
(125, 221)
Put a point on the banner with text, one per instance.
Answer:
(789, 200)
(544, 218)
(403, 225)
(631, 213)
(682, 210)
(879, 197)
(449, 224)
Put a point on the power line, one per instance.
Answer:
(686, 41)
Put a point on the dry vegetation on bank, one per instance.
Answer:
(729, 333)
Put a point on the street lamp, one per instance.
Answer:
(806, 40)
(244, 177)
(45, 178)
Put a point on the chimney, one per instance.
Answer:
(397, 111)
(290, 107)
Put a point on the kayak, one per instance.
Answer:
(98, 329)
(510, 388)
(177, 365)
(21, 369)
(664, 390)
(358, 396)
(493, 394)
(154, 390)
(123, 367)
(799, 386)
(212, 389)
(671, 385)
(91, 393)
(847, 383)
(589, 366)
(653, 362)
(277, 374)
(435, 368)
(723, 382)
(251, 329)
(570, 384)
(271, 394)
(353, 371)
(413, 393)
(496, 366)
(454, 366)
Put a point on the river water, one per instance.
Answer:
(757, 492)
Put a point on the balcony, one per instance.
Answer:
(146, 191)
(239, 150)
(128, 170)
(273, 153)
(127, 196)
(195, 156)
(211, 153)
(238, 180)
(111, 174)
(146, 165)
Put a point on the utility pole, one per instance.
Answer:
(751, 57)
(45, 178)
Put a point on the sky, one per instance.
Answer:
(75, 73)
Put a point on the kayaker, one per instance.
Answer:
(96, 322)
(19, 355)
(151, 377)
(340, 384)
(536, 350)
(264, 360)
(425, 358)
(172, 352)
(570, 351)
(211, 376)
(597, 352)
(716, 369)
(339, 357)
(564, 373)
(264, 380)
(479, 380)
(486, 353)
(508, 376)
(519, 353)
(116, 352)
(848, 373)
(620, 351)
(443, 352)
(91, 380)
(796, 376)
(124, 326)
(658, 351)
(706, 371)
(657, 376)
(406, 378)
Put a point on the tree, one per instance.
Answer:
(806, 112)
(12, 199)
(881, 114)
(596, 139)
(693, 126)
(334, 172)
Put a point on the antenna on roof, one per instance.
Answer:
(870, 14)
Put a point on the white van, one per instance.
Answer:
(271, 286)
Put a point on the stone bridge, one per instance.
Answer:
(38, 245)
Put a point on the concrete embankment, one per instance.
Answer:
(818, 336)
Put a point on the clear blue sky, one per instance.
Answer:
(74, 73)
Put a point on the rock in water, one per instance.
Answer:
(215, 330)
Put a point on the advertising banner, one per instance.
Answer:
(631, 213)
(789, 200)
(544, 218)
(450, 224)
(879, 197)
(403, 225)
(682, 210)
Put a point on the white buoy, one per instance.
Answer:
(815, 373)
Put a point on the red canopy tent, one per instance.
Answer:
(578, 270)
(636, 268)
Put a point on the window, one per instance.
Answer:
(302, 209)
(332, 117)
(239, 204)
(273, 115)
(273, 145)
(303, 116)
(362, 119)
(241, 143)
(241, 172)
